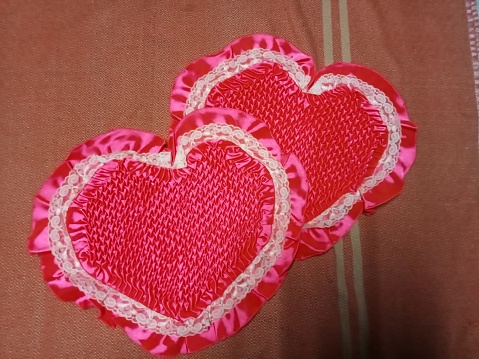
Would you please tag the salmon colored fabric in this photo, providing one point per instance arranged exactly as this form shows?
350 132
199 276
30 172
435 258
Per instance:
72 70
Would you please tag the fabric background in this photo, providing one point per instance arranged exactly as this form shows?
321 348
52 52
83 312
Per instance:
404 284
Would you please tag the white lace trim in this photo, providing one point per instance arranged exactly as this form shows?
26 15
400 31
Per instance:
228 68
388 161
123 306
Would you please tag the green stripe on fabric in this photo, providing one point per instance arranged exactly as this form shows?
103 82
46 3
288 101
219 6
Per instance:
327 32
343 300
359 290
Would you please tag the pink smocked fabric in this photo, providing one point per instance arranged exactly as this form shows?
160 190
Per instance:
339 135
172 239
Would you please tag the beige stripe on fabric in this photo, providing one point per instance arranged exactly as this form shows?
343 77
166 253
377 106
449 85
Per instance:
327 33
359 291
343 300
338 249
355 233
344 26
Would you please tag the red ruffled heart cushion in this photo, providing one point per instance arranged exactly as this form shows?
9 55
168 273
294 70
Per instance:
180 249
348 126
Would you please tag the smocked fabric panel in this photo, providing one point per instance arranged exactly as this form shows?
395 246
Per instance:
337 136
143 234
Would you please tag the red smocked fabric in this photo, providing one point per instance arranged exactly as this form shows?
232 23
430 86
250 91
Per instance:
340 135
110 223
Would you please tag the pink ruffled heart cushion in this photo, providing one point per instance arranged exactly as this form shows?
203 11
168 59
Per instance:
179 246
345 123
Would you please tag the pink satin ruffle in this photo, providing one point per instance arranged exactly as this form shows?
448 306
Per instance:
141 142
200 67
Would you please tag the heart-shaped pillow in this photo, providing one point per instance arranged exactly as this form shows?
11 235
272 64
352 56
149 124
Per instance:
180 249
345 123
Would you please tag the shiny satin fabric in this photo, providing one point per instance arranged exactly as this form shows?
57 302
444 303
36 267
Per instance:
314 240
174 239
337 135
191 73
141 142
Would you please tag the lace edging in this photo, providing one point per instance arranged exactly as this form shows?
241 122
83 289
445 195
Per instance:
228 68
388 160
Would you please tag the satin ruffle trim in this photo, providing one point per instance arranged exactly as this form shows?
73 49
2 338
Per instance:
318 240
